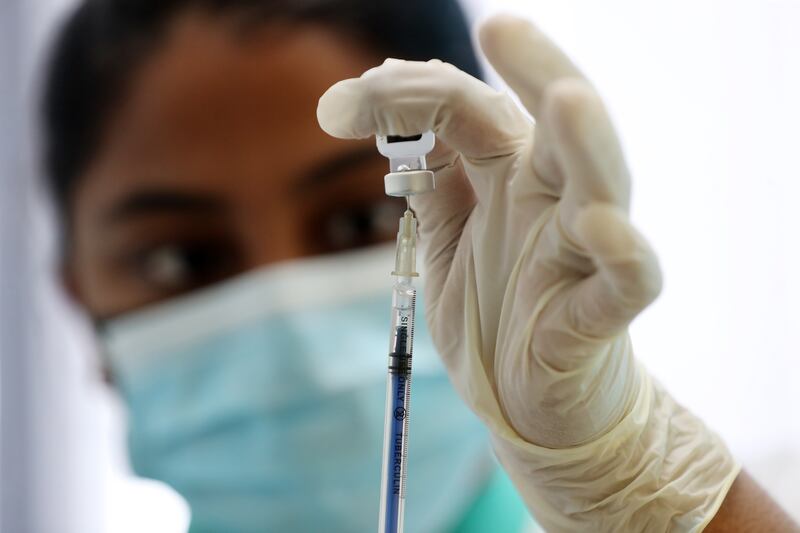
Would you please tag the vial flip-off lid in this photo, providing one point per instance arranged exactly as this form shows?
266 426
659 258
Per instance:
408 171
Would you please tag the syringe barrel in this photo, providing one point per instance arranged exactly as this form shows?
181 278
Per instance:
401 339
398 394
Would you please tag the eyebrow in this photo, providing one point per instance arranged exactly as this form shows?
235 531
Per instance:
156 201
333 167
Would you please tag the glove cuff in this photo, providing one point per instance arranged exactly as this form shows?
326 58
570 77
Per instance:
659 469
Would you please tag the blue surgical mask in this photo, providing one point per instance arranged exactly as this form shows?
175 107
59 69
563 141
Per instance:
261 402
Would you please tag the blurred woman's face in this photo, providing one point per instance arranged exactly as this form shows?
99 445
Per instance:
213 164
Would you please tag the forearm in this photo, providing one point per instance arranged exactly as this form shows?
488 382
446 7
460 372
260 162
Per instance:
747 507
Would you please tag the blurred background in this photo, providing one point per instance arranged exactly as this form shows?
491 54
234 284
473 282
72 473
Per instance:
704 95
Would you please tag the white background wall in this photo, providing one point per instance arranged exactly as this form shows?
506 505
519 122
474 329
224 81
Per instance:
48 479
704 94
62 468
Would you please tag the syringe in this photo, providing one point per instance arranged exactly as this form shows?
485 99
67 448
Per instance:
398 385
408 176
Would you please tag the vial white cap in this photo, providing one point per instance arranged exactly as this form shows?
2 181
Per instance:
409 182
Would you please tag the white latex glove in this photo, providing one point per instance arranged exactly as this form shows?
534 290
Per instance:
533 274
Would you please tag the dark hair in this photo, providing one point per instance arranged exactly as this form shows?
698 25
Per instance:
103 41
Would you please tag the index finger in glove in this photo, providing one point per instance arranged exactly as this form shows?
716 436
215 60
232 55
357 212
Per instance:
409 97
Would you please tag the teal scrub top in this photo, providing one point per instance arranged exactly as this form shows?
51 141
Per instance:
497 509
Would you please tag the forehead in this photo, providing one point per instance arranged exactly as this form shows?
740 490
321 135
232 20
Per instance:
210 106
206 78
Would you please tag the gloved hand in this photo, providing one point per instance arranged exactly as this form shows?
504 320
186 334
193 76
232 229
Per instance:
533 274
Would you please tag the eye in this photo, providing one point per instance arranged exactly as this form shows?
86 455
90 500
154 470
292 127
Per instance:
363 225
182 266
